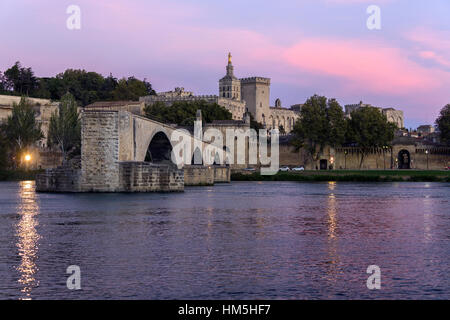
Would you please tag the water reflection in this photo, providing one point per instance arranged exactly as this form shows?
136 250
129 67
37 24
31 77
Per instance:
332 249
250 241
331 210
427 218
28 238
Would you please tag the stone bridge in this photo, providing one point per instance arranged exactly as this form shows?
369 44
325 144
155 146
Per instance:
124 152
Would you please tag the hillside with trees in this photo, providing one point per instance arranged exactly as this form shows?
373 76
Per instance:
86 87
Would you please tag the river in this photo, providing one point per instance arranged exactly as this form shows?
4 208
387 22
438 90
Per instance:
244 240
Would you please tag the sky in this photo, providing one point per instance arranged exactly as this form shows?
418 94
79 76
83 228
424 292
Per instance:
306 47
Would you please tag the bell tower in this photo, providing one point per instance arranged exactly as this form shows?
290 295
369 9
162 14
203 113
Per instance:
229 85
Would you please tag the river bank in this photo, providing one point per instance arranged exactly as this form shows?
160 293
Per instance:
348 175
306 176
18 175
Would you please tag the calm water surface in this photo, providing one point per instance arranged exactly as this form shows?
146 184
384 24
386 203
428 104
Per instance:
273 240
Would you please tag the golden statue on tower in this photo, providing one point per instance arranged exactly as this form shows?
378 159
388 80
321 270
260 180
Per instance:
229 57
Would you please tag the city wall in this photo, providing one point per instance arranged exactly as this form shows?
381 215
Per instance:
377 159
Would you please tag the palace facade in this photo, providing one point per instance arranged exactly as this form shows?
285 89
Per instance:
239 96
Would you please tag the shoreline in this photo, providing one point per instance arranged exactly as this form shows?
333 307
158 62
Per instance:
349 175
303 176
18 175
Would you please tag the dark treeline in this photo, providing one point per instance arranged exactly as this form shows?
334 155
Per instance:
184 112
86 87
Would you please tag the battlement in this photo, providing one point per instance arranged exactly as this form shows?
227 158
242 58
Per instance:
255 80
149 99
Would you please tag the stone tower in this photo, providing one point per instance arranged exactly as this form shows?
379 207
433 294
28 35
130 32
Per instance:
230 86
256 93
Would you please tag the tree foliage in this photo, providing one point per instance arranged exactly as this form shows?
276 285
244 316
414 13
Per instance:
184 112
255 124
321 123
19 79
443 124
4 150
368 128
130 89
86 87
65 127
21 128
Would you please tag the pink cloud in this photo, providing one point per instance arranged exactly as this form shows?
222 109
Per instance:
431 45
431 55
378 68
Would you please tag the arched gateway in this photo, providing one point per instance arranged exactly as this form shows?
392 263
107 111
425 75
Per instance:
404 159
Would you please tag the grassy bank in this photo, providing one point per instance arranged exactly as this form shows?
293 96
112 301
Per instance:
348 175
18 175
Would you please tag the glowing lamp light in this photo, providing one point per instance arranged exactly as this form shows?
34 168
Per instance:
27 157
332 160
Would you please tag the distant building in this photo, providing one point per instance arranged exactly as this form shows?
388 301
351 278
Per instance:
238 96
297 107
392 115
425 130
43 109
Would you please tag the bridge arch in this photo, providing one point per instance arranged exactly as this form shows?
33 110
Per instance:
159 148
197 157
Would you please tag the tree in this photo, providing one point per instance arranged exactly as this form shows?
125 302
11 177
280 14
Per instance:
22 80
368 128
4 150
130 89
65 127
321 123
184 112
3 83
21 128
443 124
86 87
255 124
149 87
108 87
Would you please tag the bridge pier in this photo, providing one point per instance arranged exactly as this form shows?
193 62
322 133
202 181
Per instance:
106 137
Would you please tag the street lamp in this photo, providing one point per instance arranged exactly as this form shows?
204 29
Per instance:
426 151
27 159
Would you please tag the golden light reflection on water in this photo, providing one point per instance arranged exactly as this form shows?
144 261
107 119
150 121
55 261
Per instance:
333 269
28 238
332 221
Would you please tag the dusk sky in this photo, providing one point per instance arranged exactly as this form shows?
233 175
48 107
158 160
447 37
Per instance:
304 46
